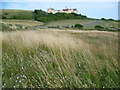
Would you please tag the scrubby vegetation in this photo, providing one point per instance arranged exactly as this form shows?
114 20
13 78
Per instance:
48 59
43 16
4 27
14 27
79 26
108 19
99 27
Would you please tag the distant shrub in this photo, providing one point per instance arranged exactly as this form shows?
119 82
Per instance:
111 19
4 27
99 27
3 17
103 19
108 19
78 26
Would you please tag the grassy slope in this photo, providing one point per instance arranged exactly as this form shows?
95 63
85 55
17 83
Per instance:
23 22
26 14
15 11
82 21
56 59
11 25
25 19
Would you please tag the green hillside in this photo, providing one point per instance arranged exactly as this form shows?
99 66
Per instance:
88 24
11 16
16 14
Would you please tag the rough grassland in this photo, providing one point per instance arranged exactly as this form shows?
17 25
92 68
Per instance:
84 22
0 60
23 22
59 59
17 14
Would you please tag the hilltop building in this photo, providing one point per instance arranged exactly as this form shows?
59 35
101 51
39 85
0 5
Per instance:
65 10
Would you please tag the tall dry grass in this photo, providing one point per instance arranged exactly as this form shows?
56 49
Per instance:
0 60
56 59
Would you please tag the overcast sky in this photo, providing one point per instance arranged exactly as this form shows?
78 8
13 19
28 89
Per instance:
90 9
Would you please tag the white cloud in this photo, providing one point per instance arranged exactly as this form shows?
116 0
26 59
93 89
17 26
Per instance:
60 0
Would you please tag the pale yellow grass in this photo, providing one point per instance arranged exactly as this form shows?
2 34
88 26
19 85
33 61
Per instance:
20 39
22 22
0 60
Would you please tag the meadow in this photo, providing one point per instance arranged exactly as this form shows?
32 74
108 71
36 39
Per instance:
14 24
54 59
16 14
22 22
87 24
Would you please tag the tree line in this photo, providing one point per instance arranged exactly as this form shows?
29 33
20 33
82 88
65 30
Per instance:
43 16
40 15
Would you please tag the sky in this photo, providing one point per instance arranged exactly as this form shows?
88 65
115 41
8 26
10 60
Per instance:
60 0
91 9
